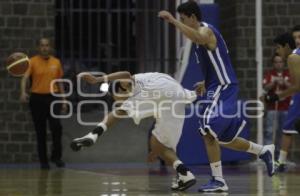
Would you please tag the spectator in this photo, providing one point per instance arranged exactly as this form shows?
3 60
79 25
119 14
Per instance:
275 81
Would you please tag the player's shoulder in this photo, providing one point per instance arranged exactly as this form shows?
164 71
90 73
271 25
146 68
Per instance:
207 28
293 58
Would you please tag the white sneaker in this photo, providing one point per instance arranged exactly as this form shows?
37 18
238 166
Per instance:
85 141
183 182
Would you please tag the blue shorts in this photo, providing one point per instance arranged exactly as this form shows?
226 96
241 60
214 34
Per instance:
221 116
292 116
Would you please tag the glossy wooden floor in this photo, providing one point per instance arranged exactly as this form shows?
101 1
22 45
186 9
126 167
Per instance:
136 179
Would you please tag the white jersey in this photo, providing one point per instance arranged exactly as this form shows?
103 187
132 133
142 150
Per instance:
160 96
150 90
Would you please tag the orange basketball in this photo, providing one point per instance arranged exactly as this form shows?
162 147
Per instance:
17 64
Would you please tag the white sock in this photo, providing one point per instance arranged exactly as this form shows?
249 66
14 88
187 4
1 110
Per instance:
216 169
255 148
176 163
282 156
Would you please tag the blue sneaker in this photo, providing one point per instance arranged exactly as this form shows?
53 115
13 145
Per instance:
267 156
216 184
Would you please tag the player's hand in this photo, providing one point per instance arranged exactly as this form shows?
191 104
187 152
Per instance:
88 77
271 98
167 16
24 97
200 88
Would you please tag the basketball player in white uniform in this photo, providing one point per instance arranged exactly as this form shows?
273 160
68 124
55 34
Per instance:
144 95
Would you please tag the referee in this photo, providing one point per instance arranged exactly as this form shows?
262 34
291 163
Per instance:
43 69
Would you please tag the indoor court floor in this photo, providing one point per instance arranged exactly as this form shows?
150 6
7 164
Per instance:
137 179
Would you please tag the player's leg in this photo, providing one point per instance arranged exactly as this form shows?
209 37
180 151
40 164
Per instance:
217 183
92 137
165 138
290 128
266 153
185 178
286 142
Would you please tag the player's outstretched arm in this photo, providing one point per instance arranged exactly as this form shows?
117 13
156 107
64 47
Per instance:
294 69
204 36
88 77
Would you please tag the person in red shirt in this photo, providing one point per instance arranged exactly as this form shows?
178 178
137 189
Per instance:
276 81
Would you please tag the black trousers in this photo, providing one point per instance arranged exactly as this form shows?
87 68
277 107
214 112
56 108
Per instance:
40 110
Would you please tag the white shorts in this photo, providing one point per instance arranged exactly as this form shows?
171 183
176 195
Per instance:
168 127
152 95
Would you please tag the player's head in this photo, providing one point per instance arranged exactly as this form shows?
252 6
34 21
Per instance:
120 90
190 13
284 44
44 47
278 62
296 35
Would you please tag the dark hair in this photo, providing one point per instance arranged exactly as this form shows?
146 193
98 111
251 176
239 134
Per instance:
189 8
285 38
296 28
114 87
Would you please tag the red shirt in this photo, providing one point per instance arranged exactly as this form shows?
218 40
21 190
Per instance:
272 76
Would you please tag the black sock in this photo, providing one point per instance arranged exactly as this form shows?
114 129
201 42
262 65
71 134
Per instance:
182 169
98 130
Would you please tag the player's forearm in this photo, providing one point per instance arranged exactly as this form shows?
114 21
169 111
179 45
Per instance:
114 76
111 119
190 33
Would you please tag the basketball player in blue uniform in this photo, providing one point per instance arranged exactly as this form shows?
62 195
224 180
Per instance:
285 48
218 124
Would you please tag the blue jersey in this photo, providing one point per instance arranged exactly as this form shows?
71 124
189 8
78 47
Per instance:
296 51
216 65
